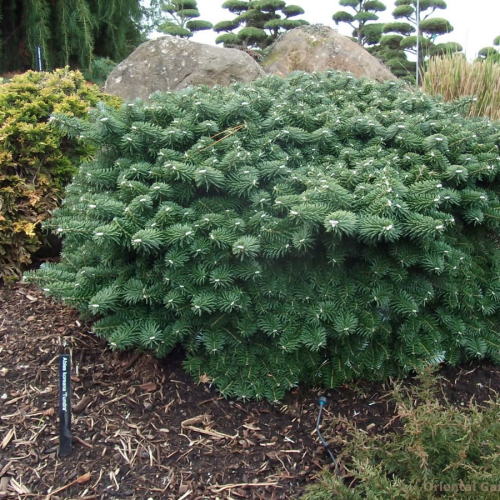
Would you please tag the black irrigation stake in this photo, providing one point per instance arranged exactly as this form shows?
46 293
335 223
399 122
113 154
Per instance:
64 405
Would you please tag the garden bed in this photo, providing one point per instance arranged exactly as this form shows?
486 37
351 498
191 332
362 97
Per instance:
143 429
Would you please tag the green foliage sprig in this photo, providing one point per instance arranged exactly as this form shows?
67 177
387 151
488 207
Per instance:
36 161
306 230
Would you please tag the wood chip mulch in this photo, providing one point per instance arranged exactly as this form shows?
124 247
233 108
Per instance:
144 429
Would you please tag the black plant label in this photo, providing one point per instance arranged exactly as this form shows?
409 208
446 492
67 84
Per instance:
64 405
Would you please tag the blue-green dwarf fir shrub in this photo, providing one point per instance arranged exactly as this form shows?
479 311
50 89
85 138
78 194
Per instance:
306 230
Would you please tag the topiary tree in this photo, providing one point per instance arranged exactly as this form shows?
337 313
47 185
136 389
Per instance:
430 28
490 53
365 12
306 230
261 22
182 18
371 35
36 162
390 52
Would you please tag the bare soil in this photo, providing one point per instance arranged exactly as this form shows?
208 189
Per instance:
143 429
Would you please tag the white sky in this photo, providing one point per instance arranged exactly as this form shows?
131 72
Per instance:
476 22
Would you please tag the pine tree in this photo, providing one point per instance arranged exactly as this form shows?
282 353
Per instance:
67 32
306 230
260 22
182 18
365 30
400 37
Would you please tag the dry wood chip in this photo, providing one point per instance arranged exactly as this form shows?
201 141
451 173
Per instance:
19 487
4 485
199 419
208 432
246 443
82 441
84 478
220 488
5 469
8 438
149 387
115 399
8 417
126 365
251 427
82 404
12 401
132 426
188 492
204 419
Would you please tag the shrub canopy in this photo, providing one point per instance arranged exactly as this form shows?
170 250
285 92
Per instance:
36 161
306 230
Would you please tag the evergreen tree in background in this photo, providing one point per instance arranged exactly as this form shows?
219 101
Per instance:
68 32
261 21
182 18
365 30
401 39
302 230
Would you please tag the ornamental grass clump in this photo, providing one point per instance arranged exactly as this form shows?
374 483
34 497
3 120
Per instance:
453 77
306 230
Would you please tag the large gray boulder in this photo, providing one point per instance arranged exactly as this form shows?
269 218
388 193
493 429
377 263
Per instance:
319 48
170 63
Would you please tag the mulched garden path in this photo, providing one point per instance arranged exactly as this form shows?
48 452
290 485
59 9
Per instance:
143 429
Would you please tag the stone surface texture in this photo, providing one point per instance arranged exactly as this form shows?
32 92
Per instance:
319 48
171 63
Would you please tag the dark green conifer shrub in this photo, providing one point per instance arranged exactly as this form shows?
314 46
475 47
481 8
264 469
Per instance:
36 161
305 230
